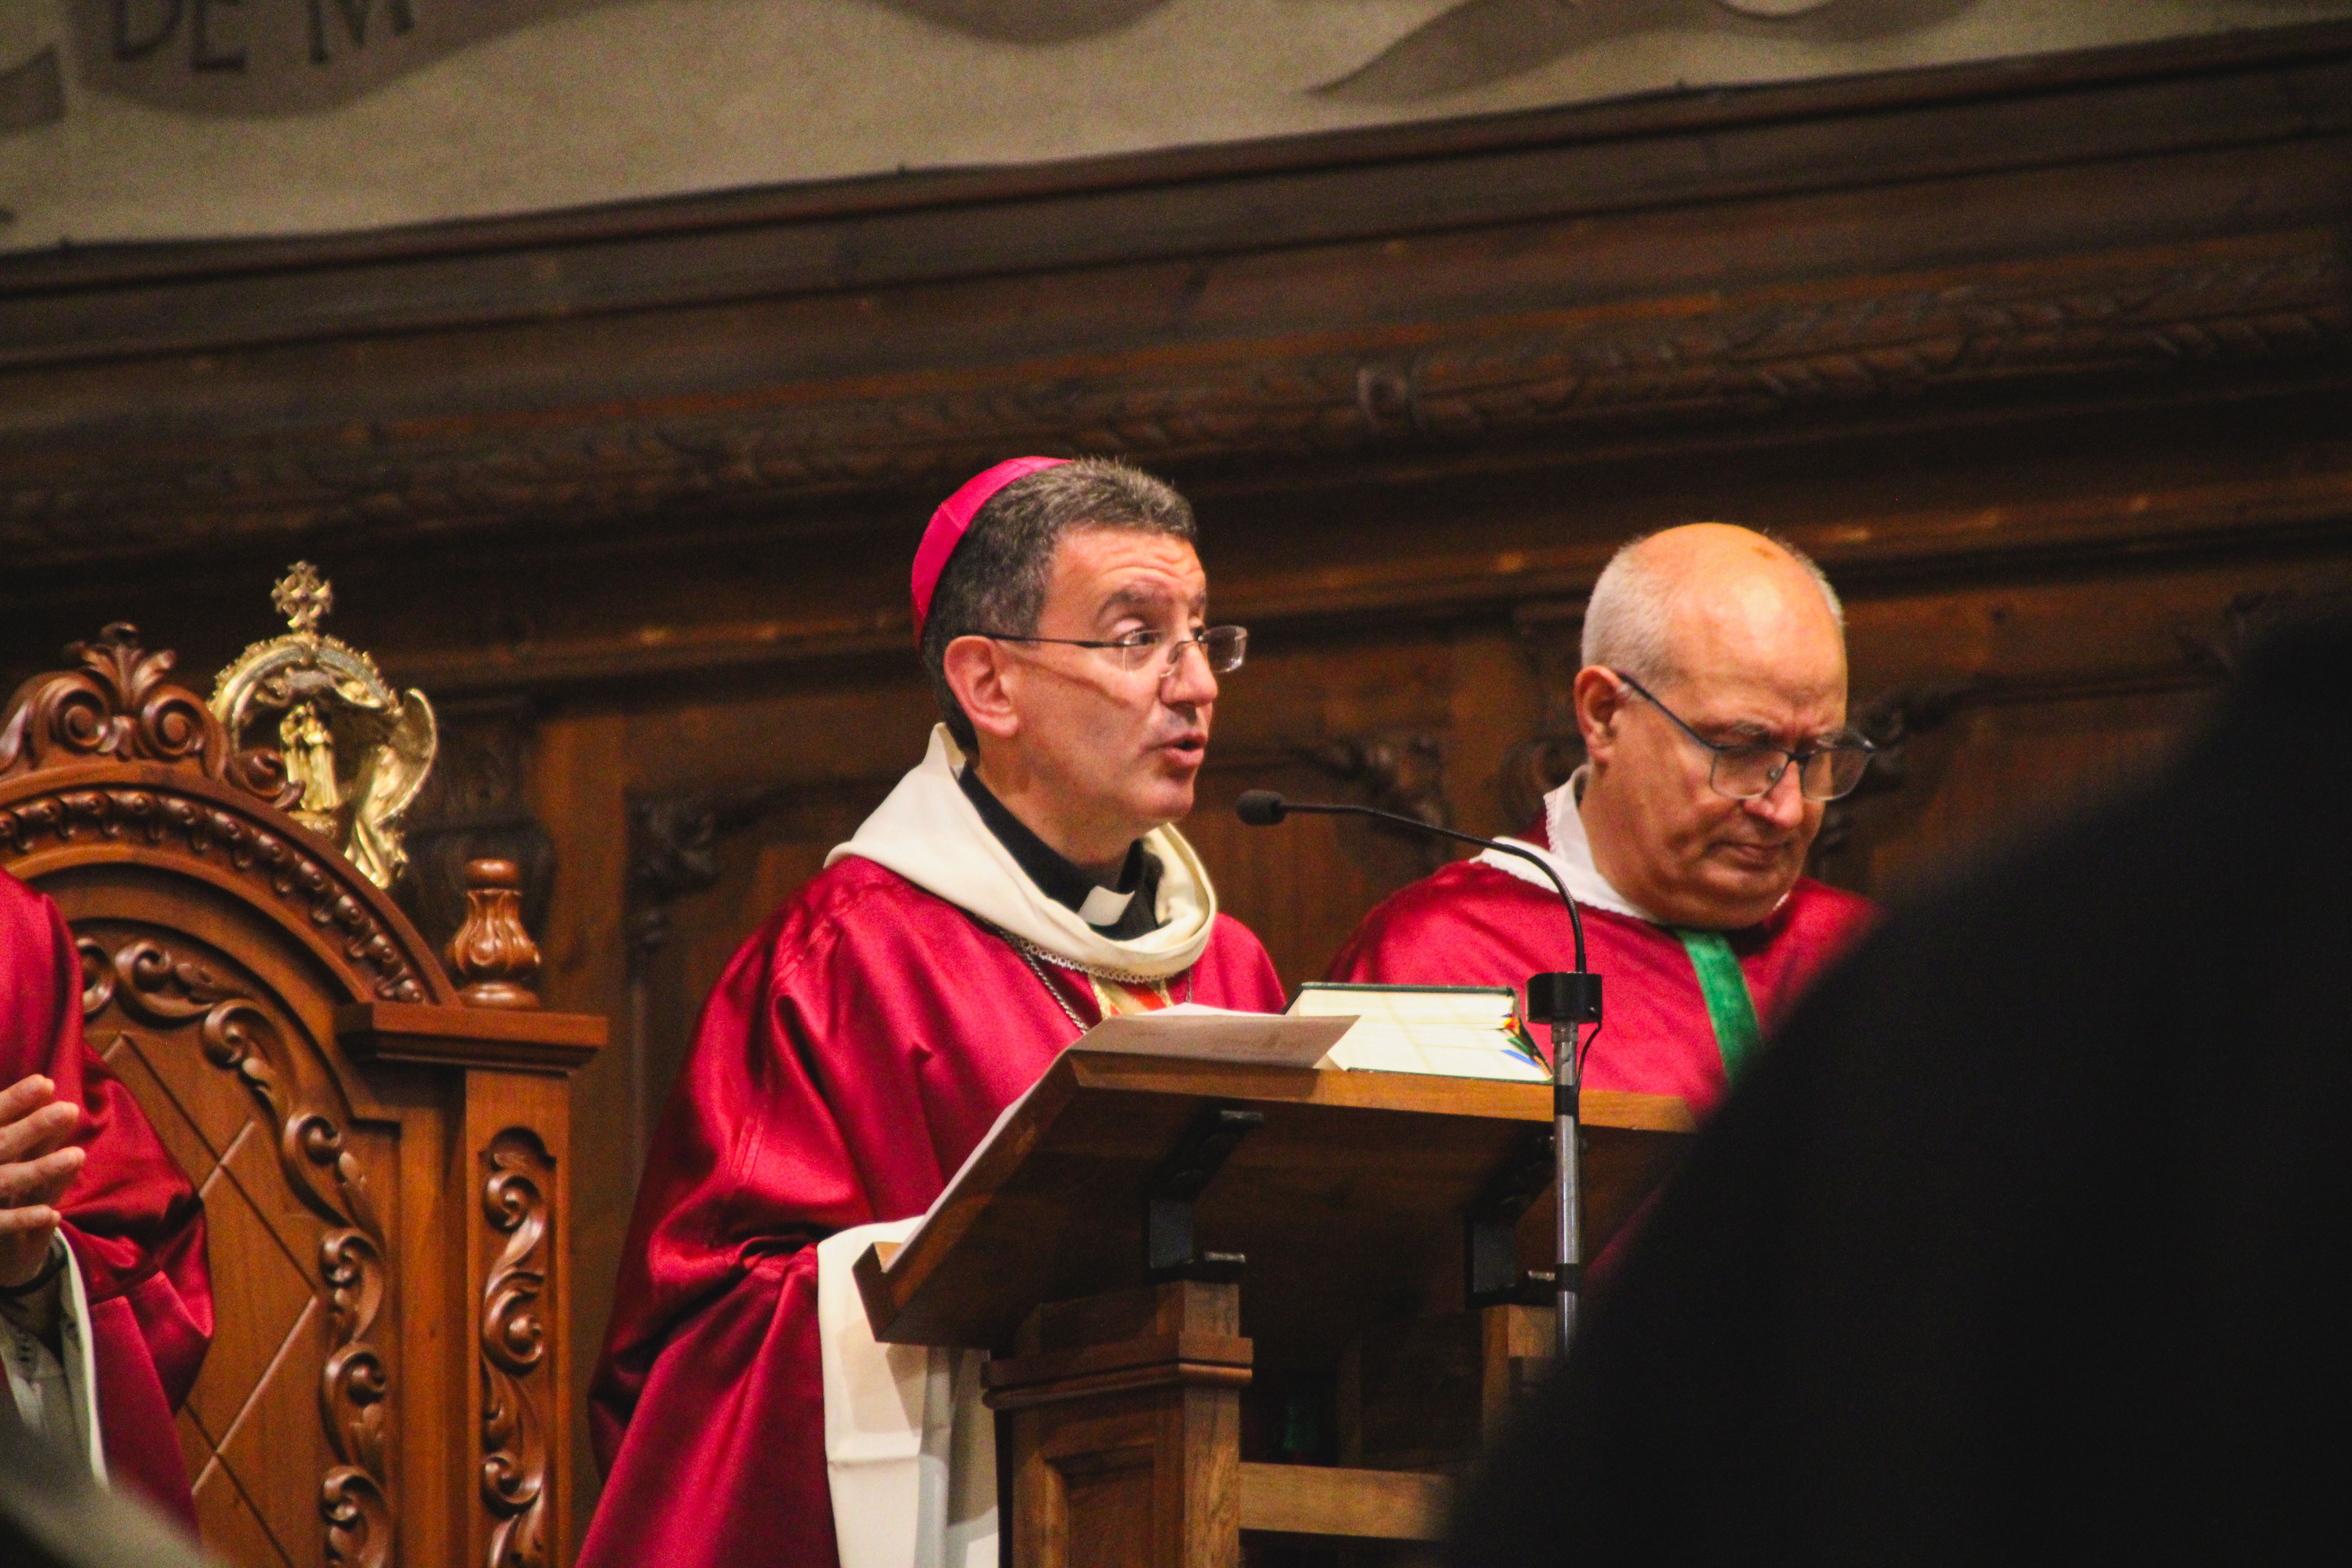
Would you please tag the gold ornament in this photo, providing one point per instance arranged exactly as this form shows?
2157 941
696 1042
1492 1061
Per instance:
359 749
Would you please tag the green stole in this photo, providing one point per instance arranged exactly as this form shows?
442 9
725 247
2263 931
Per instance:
1729 1008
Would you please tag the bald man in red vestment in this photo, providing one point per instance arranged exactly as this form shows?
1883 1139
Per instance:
1713 706
1019 885
105 1305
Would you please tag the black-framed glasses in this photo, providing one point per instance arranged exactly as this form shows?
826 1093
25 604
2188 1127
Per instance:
1224 647
1745 770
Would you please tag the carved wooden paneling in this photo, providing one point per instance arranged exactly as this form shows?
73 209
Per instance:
240 1091
515 1438
235 969
472 805
1760 353
707 867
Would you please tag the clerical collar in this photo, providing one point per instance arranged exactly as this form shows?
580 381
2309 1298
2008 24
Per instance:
1120 914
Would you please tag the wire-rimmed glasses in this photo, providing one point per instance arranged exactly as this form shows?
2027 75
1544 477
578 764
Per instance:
1224 647
1751 770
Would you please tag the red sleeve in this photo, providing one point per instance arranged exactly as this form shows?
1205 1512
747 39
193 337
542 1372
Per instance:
799 1112
723 1462
134 1222
710 1386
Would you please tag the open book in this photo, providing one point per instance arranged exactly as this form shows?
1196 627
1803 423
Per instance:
1452 1031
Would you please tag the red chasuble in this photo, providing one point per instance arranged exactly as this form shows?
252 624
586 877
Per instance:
135 1226
1475 924
852 1055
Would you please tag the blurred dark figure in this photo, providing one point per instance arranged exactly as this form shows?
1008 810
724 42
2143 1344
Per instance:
2028 1240
54 1514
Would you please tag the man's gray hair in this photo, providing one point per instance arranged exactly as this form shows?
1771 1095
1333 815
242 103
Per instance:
1626 621
997 578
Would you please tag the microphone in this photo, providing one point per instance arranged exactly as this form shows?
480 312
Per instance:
1564 1001
1265 807
1260 808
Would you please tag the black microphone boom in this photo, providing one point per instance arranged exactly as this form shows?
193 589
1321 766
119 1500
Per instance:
1260 808
1562 1001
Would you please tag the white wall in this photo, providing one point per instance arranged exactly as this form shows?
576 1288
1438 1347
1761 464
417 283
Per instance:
484 106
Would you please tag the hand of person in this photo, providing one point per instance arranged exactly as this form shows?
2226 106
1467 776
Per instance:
36 1169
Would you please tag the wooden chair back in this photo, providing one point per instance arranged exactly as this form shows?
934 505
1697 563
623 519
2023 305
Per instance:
382 1165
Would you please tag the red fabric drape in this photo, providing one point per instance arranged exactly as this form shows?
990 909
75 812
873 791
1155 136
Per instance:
134 1222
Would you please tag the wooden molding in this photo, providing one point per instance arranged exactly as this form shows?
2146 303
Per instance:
84 816
1317 1500
443 1036
1891 548
1596 371
2161 220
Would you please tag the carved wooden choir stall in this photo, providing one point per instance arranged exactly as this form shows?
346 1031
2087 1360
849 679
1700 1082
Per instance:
382 1151
1145 1238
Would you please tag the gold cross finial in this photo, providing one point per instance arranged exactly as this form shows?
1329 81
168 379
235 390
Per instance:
302 596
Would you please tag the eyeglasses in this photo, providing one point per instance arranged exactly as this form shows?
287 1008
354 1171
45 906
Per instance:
1222 647
1747 771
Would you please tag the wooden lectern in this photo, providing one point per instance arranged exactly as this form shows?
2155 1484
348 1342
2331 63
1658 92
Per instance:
1188 1272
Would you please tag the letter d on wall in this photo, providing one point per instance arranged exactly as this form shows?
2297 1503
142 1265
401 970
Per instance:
142 26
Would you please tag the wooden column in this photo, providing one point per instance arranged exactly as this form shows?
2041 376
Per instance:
1125 1429
505 1219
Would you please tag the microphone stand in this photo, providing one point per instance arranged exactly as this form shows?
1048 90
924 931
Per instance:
1565 1001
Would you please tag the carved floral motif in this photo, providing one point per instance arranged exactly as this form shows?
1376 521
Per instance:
514 1345
673 851
1402 773
206 832
239 1037
120 705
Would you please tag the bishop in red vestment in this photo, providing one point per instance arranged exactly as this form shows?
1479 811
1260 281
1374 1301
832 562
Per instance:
1712 703
105 1305
1016 887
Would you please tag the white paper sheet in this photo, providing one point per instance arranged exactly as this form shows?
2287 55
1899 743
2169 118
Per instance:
1219 1035
1190 1031
1447 1031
